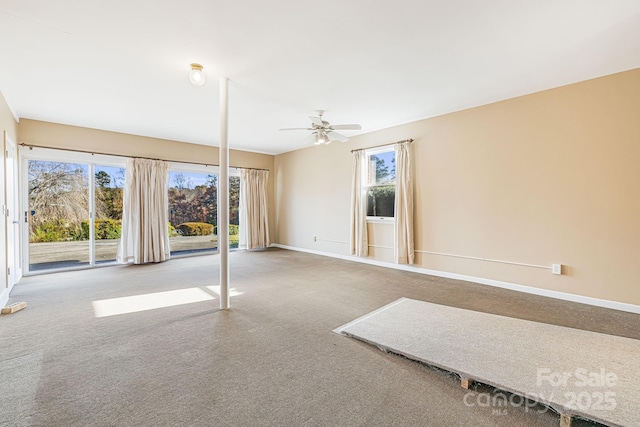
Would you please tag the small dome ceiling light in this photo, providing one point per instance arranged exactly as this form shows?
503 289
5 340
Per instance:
196 75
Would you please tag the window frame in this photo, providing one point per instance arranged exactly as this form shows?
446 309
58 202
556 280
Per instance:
372 152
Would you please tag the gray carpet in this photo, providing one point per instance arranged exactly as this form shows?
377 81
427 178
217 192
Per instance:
531 359
272 360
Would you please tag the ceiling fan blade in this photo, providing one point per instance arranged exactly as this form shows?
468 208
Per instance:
347 127
295 129
335 136
316 121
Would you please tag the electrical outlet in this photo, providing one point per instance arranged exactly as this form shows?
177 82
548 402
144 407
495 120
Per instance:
556 268
315 238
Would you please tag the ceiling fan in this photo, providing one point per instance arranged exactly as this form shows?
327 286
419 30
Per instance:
323 132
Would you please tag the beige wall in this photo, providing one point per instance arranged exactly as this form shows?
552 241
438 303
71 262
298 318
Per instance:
552 177
72 137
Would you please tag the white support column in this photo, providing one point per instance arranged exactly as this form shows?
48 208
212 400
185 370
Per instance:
223 196
92 214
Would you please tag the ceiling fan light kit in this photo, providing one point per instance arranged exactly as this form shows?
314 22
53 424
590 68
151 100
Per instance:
323 132
321 138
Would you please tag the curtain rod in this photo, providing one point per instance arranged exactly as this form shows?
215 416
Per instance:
32 146
383 145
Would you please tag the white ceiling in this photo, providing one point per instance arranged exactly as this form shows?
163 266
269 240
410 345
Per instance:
122 65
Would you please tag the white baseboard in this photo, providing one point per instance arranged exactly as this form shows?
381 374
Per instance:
614 305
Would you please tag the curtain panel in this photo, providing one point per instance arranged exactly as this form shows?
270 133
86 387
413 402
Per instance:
403 245
145 231
359 238
254 216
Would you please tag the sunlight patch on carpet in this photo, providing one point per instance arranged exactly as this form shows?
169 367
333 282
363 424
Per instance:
155 300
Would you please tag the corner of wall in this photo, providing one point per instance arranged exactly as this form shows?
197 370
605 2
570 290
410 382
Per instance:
4 297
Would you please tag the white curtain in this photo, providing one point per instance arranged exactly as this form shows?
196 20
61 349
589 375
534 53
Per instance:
254 218
403 247
359 236
145 234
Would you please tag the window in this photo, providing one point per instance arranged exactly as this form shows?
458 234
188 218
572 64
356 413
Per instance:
193 210
381 183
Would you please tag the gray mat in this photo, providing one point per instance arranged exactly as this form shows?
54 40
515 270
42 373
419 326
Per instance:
576 372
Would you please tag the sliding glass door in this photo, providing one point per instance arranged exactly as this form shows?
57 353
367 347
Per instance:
57 209
193 212
72 209
109 191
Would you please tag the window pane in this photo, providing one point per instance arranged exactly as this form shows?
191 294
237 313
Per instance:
382 168
109 185
380 200
58 206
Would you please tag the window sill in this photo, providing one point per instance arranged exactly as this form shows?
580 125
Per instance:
380 219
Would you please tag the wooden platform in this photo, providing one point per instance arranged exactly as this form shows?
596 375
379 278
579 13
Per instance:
16 306
578 373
